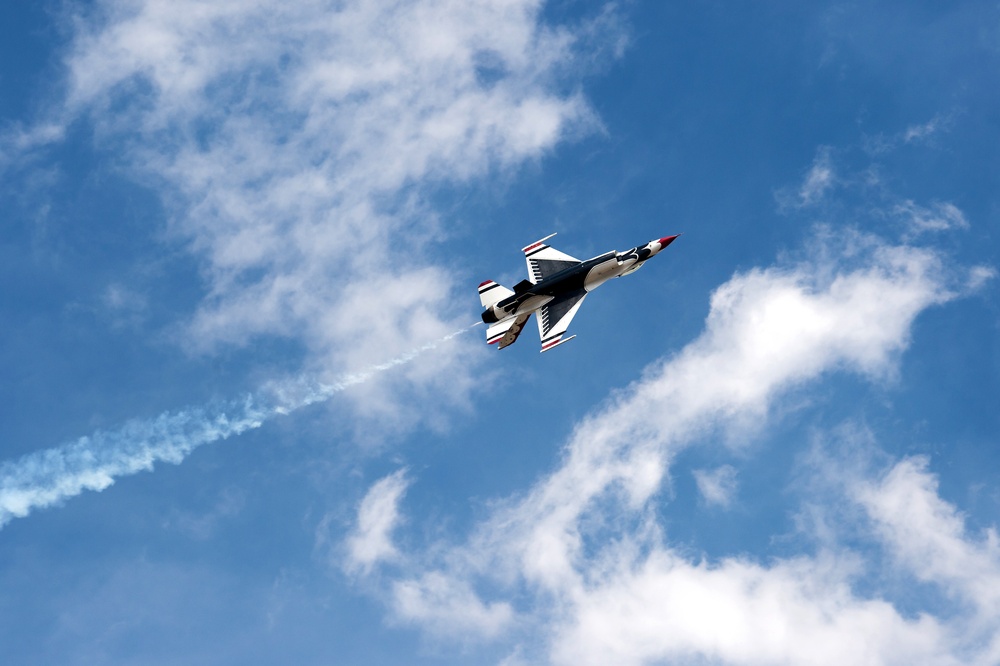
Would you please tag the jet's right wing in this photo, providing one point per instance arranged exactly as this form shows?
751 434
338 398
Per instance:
554 318
544 261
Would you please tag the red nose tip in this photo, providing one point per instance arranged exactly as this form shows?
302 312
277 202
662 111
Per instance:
667 241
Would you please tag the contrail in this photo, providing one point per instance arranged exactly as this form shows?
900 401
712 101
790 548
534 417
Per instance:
48 477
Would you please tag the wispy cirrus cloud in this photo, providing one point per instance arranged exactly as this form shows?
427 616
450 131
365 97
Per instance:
940 216
378 515
914 134
819 179
817 182
921 131
717 486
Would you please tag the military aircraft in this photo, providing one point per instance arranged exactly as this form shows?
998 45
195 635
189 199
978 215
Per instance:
556 286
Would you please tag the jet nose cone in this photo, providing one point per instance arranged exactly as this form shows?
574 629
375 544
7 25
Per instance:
667 241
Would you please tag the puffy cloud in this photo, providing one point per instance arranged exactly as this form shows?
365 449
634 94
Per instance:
927 535
288 135
447 606
738 612
663 605
768 331
582 553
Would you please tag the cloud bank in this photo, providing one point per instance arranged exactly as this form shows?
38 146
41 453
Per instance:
297 144
298 149
577 570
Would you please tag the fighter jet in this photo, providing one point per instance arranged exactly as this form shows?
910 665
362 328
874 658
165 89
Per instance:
556 286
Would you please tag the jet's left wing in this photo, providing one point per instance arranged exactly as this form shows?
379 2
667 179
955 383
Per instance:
544 261
554 318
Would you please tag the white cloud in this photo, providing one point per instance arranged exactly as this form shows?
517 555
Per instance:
979 276
738 612
767 331
295 145
923 130
582 553
663 606
447 606
378 515
816 184
717 486
818 180
914 134
941 216
927 535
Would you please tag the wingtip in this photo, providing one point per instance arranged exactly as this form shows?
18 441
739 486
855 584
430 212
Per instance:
536 244
553 345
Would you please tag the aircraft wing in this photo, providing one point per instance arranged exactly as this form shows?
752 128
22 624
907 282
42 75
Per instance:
554 318
506 332
544 261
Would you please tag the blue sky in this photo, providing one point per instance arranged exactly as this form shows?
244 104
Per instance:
246 419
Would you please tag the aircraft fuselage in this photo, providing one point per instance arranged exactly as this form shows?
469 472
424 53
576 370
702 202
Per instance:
555 289
581 277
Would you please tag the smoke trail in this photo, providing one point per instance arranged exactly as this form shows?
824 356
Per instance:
44 478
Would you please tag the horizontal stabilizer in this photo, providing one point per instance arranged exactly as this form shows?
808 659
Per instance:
505 332
491 293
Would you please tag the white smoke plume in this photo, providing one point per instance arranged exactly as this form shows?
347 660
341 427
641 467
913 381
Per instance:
44 478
